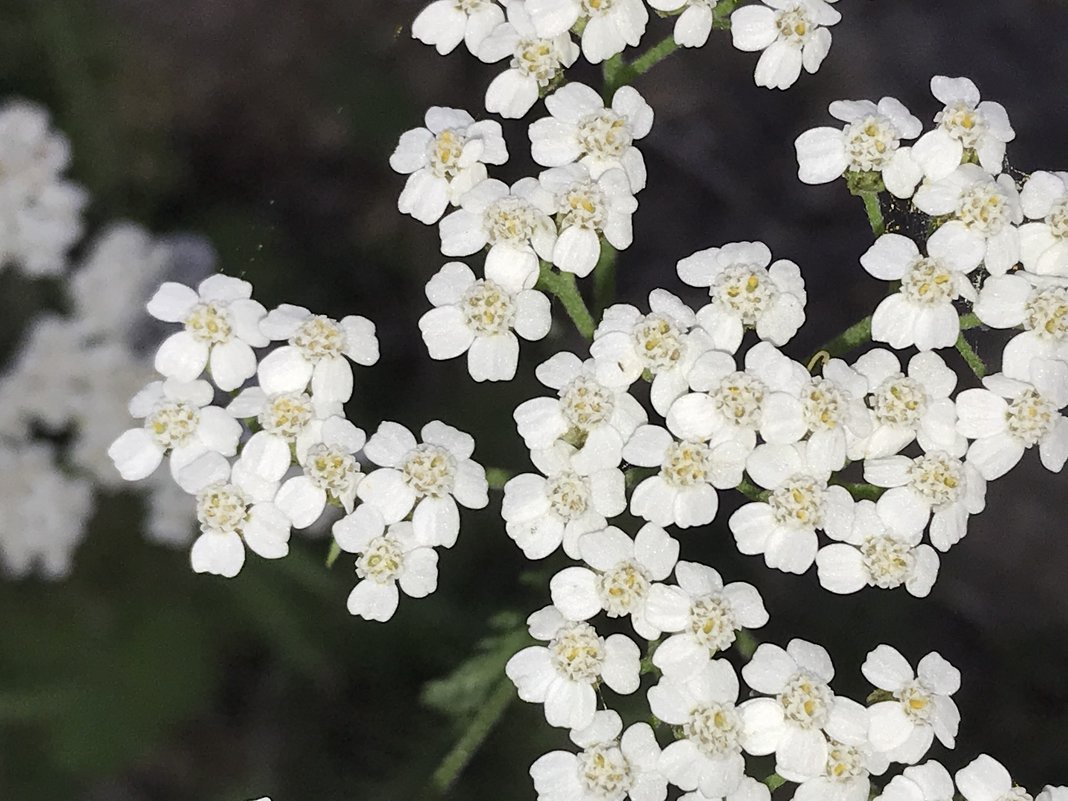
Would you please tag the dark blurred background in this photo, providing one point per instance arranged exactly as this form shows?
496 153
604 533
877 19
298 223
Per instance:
265 126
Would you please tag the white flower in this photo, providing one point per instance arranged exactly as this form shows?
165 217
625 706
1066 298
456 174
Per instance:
609 767
431 477
985 779
221 327
927 782
921 312
444 160
985 214
478 316
664 342
40 213
935 484
586 208
746 293
610 26
1010 416
869 142
541 513
445 23
45 512
1050 793
535 62
331 472
178 420
694 23
733 403
791 33
622 574
581 129
235 508
396 555
563 673
964 124
703 615
1044 245
907 407
516 223
1037 303
792 724
703 703
784 527
683 492
904 728
845 777
749 790
880 550
286 418
597 419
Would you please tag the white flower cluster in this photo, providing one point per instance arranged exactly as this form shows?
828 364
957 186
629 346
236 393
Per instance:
281 451
40 211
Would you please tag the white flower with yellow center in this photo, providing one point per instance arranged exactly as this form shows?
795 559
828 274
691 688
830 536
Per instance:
1044 244
444 160
562 674
694 22
609 767
315 353
683 492
921 709
221 327
936 485
664 342
793 723
586 209
515 223
535 61
984 213
610 26
596 419
869 142
845 777
964 125
702 703
540 512
178 421
986 779
791 34
1038 304
581 129
921 312
431 477
331 472
746 293
880 550
621 576
235 508
446 23
927 782
1010 416
783 528
908 405
703 615
478 316
395 556
286 419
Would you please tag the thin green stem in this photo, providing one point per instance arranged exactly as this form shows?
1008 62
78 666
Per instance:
752 491
604 279
564 288
746 643
857 334
774 782
333 554
874 211
474 735
653 56
974 362
497 477
862 491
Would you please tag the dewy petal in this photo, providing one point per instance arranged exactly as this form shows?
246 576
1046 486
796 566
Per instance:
984 779
821 155
301 501
221 554
436 521
373 601
284 370
182 357
172 302
267 531
753 28
493 358
232 363
136 454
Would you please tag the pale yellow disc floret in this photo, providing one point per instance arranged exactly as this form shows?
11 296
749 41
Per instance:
172 424
806 701
429 470
577 652
209 322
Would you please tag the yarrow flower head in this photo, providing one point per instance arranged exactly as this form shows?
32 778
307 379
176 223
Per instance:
330 472
444 160
610 26
221 327
1038 304
694 22
1044 244
791 34
395 556
986 779
446 23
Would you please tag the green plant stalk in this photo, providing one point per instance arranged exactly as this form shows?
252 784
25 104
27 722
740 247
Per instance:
973 360
474 735
874 211
497 477
563 287
604 279
333 553
774 782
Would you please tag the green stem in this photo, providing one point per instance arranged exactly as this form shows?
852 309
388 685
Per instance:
752 491
856 334
874 210
474 735
497 477
774 782
653 56
564 288
861 491
977 365
746 643
604 279
333 554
